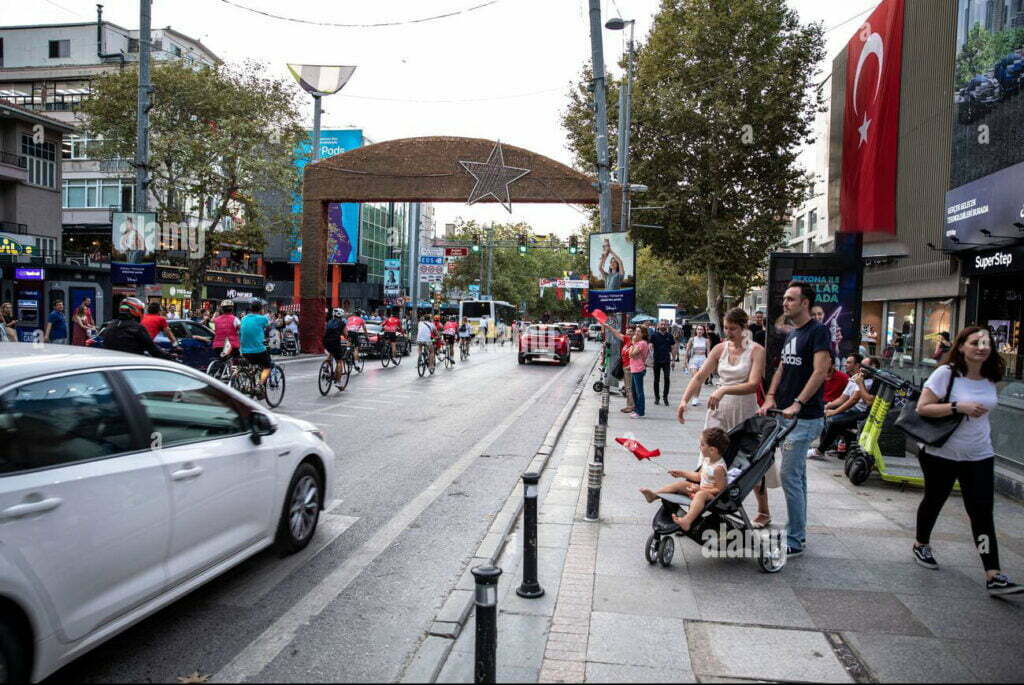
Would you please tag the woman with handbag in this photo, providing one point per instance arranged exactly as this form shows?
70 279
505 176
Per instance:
964 387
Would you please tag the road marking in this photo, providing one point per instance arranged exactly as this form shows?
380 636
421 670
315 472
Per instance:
340 416
251 660
366 399
247 589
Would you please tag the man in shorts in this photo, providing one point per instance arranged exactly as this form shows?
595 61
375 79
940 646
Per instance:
335 342
425 335
251 334
356 327
391 328
451 329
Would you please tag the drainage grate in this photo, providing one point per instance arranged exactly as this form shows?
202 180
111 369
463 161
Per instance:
849 659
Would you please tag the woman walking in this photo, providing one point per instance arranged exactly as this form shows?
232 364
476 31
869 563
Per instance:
697 349
82 324
739 362
969 374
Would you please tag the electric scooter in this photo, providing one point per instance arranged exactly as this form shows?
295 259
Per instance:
866 453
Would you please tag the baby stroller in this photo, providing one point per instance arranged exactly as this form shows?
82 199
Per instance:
289 343
752 447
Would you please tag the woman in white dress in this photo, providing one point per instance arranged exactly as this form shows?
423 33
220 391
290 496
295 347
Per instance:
739 362
697 349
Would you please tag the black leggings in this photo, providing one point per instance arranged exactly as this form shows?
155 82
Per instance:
660 367
977 481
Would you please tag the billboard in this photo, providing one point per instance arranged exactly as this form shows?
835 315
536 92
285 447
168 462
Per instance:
333 142
987 158
392 276
342 233
134 232
612 272
432 264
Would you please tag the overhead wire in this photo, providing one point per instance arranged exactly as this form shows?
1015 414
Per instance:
370 25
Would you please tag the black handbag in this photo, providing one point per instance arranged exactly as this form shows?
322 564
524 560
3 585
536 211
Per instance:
924 429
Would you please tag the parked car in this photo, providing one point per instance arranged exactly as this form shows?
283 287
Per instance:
576 339
125 483
195 342
544 341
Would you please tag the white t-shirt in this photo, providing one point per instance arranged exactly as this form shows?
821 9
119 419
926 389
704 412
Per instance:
852 388
424 332
972 440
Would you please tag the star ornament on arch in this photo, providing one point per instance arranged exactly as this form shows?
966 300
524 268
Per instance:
493 178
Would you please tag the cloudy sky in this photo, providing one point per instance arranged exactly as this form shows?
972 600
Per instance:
499 72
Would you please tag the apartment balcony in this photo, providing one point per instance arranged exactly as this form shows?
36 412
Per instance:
13 167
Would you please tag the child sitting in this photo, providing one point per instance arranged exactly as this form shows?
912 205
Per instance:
701 487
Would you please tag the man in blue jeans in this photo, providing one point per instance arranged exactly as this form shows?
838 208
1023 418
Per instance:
797 389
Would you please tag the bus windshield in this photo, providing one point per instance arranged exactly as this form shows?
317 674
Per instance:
474 310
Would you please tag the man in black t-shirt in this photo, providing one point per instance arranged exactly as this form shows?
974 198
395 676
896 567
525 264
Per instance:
757 332
796 389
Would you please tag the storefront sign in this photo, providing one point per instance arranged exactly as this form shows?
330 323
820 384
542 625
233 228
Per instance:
1001 261
139 274
29 274
10 246
228 278
456 252
994 203
170 274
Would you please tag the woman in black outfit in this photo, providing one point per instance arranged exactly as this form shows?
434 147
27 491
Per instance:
974 368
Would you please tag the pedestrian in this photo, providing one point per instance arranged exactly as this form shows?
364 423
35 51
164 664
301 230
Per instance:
8 322
687 331
837 381
757 330
662 343
968 375
713 340
627 376
638 353
796 389
697 349
56 325
82 324
740 363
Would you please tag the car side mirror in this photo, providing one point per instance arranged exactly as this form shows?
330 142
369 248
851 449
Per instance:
260 425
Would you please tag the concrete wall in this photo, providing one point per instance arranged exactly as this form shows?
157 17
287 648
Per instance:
30 46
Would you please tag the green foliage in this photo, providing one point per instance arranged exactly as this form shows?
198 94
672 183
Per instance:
723 99
661 281
983 49
220 138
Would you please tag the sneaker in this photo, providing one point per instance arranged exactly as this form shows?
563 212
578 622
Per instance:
696 402
794 552
656 401
815 455
1000 584
634 415
923 556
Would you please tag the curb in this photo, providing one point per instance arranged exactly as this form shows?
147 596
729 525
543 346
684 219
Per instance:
430 656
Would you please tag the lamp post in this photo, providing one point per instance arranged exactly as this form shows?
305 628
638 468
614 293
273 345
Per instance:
625 117
601 118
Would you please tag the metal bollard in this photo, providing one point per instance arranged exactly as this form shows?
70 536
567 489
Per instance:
600 439
594 492
530 588
486 624
602 416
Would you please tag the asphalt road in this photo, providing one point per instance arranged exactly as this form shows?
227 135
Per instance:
423 466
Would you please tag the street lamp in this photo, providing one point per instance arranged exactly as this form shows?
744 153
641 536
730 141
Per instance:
625 115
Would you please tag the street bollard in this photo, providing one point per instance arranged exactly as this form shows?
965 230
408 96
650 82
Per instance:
530 588
600 438
594 492
486 624
602 416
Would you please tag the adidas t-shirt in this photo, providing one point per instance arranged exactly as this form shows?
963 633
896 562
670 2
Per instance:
798 365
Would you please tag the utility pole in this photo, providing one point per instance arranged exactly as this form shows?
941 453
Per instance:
490 259
316 126
601 120
142 109
625 120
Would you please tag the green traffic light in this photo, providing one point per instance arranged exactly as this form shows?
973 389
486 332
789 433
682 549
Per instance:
476 248
522 249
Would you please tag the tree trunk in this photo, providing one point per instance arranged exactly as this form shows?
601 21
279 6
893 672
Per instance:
714 298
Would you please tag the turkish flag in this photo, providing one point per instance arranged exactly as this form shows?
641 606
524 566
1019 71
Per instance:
867 200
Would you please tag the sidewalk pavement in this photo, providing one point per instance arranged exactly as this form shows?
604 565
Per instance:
854 608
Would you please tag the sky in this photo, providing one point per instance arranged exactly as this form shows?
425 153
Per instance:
500 72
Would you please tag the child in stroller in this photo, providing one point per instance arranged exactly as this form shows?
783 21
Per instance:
701 487
289 343
748 455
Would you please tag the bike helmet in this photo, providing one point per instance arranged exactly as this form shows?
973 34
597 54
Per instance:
338 313
228 304
256 304
133 306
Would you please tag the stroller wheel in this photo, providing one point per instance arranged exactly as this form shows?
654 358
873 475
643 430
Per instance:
651 549
666 550
771 557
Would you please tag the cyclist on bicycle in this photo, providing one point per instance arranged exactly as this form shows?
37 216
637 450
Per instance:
465 332
356 326
225 328
335 343
425 334
451 330
391 327
251 335
126 334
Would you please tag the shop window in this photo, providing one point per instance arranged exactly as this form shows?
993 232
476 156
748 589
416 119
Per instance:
939 317
898 351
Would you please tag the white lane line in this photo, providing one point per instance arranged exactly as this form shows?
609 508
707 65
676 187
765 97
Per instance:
249 588
339 416
366 399
257 654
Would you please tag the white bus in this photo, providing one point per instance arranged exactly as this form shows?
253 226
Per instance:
495 311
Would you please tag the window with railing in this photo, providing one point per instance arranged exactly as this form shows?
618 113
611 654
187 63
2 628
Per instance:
41 162
77 147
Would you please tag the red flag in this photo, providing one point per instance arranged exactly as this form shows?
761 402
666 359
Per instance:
638 450
599 315
867 200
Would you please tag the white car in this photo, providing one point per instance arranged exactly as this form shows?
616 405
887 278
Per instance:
594 331
125 483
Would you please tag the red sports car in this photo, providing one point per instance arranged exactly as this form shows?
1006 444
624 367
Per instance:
544 341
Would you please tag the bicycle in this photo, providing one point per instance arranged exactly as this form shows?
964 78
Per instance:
326 377
245 379
222 368
444 356
463 349
423 362
387 355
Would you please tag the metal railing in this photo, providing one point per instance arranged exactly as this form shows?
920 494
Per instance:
13 159
12 227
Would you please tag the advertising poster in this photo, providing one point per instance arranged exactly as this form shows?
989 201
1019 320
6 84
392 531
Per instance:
342 233
333 142
392 276
612 272
132 274
837 282
134 233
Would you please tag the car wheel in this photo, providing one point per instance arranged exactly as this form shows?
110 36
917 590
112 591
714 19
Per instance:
14 662
522 359
301 510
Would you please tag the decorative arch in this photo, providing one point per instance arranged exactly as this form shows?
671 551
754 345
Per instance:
415 170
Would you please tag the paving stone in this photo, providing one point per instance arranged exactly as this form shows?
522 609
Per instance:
556 513
960 617
428 660
571 654
904 577
624 595
746 652
618 673
767 606
637 640
830 574
859 611
553 534
904 659
988 664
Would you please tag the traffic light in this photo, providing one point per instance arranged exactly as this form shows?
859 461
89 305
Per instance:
574 244
475 247
522 244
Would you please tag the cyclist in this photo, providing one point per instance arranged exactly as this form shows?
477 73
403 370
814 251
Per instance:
251 335
451 330
425 335
225 328
335 342
356 326
465 334
391 327
126 334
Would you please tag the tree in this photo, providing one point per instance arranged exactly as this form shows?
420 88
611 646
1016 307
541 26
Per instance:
723 99
218 137
662 281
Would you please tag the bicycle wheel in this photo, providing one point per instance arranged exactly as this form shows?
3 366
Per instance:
346 373
326 378
421 364
275 386
215 369
449 361
385 356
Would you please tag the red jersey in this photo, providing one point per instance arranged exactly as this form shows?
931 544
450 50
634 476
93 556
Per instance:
392 325
451 328
154 323
355 324
834 386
